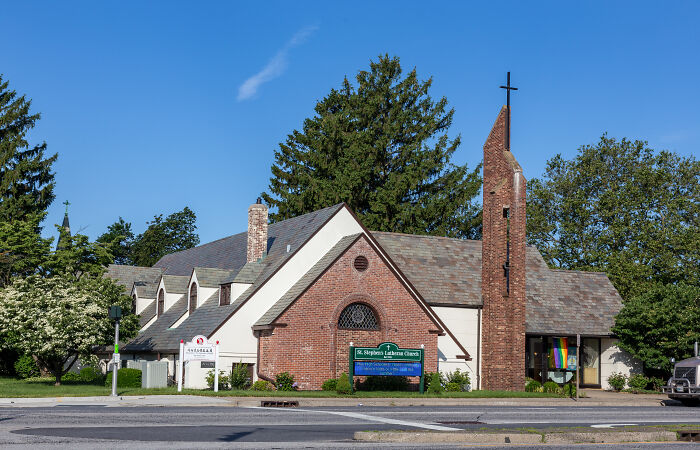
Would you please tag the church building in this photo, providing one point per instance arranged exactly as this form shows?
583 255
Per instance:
291 296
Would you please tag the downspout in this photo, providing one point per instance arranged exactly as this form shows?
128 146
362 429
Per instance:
478 348
260 374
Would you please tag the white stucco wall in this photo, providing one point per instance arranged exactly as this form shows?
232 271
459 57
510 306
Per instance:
464 324
236 336
614 359
142 303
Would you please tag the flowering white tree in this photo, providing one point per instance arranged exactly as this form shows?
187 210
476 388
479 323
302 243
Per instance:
59 319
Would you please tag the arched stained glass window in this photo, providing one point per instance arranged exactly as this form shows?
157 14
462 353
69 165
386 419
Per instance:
193 297
358 316
161 302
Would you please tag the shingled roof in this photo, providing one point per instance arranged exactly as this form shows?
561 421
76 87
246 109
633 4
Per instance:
209 315
147 314
212 278
229 253
176 284
447 272
156 336
145 278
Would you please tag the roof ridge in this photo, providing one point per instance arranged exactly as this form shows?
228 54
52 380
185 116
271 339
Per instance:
596 272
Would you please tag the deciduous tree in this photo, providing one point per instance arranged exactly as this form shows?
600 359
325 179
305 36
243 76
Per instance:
163 236
621 208
59 319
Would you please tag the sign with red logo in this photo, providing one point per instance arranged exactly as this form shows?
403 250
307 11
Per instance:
199 350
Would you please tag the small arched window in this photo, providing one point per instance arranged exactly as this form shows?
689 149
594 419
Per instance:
161 302
358 316
193 297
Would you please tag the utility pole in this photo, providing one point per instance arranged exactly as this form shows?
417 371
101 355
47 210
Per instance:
115 312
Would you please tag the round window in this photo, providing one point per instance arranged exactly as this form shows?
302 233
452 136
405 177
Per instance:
361 263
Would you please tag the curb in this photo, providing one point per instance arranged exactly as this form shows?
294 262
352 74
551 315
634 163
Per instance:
195 400
514 438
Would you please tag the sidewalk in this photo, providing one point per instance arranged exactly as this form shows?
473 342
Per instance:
594 398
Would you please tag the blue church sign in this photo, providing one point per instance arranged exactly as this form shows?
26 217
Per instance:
387 359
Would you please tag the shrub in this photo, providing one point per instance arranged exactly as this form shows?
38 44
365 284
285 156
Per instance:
383 383
223 380
285 382
435 386
343 385
26 367
126 378
551 387
71 376
90 375
453 387
656 383
428 379
460 378
261 385
329 384
638 382
239 378
570 390
533 386
617 381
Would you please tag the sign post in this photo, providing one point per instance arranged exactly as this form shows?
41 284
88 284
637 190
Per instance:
180 366
115 312
216 367
387 359
578 361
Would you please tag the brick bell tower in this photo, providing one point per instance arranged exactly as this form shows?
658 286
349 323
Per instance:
503 261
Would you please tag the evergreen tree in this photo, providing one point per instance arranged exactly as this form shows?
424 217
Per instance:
26 180
382 147
163 236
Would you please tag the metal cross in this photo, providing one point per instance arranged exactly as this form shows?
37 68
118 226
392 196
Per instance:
508 88
66 203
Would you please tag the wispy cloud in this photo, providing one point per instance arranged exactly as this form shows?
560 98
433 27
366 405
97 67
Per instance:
275 67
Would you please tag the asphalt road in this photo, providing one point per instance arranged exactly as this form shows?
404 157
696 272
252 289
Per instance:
84 426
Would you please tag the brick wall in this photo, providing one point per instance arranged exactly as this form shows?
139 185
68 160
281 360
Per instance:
313 349
503 335
257 232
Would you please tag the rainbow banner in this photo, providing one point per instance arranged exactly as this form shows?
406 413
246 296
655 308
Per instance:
558 354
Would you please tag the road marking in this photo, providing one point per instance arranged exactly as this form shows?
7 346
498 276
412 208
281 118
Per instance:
611 425
368 418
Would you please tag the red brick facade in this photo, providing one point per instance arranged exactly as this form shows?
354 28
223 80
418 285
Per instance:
307 341
503 344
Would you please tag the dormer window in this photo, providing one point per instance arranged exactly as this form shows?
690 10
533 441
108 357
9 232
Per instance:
193 297
161 302
225 294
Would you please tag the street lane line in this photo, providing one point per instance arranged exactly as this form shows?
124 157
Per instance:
367 418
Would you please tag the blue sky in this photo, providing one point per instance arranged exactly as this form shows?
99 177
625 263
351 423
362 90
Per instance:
152 106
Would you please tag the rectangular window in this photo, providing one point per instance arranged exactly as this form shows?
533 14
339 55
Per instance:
225 294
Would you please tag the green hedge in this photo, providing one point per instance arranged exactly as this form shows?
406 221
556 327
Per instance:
126 378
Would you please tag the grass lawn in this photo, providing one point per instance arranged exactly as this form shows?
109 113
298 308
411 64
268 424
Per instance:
11 387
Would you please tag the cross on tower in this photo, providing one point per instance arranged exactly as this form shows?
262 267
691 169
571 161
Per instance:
66 203
508 88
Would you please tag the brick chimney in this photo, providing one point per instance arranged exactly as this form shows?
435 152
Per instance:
503 265
257 231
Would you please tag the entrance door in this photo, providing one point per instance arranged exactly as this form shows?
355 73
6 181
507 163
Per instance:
590 361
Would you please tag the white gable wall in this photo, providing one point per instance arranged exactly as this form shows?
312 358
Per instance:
236 337
463 323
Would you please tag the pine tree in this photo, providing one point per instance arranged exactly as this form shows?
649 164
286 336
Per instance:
382 147
26 180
